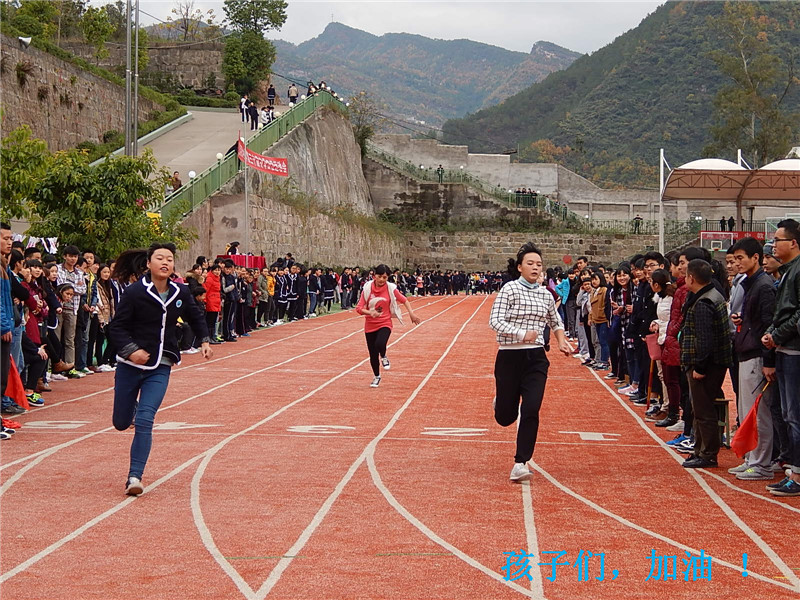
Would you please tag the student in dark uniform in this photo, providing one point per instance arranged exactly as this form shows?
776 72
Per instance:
144 332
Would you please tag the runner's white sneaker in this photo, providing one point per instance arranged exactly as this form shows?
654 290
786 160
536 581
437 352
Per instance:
375 382
134 487
385 363
520 472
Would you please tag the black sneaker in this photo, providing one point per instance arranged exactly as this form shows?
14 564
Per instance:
639 400
667 422
653 410
698 462
13 409
779 485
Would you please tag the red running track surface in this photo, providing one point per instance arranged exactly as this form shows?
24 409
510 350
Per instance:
277 472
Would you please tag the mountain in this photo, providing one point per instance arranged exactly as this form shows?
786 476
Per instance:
609 113
414 77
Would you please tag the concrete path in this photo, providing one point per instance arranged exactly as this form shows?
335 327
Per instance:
193 146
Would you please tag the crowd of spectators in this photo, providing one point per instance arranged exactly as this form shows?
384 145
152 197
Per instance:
667 330
56 309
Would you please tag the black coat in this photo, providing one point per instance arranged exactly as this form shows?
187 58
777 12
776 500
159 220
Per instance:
143 321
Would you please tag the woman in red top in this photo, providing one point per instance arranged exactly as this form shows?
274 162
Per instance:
379 303
213 302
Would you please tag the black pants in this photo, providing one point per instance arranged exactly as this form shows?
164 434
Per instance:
263 311
706 429
35 367
376 344
211 322
227 320
520 373
282 306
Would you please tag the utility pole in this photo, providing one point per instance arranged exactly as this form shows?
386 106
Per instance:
136 87
128 147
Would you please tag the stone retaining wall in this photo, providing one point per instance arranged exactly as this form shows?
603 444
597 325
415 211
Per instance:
63 104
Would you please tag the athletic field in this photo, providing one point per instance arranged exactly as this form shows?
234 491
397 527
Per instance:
276 472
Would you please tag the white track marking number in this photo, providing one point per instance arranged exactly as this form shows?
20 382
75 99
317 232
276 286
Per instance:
56 424
316 429
173 425
593 436
455 431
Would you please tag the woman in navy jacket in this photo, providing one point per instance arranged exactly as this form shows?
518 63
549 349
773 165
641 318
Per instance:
144 332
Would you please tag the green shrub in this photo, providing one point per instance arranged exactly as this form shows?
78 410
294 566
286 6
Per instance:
232 95
110 135
28 25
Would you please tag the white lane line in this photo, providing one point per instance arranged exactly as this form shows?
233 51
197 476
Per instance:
537 586
644 530
787 571
202 364
202 528
89 524
34 559
17 475
749 493
369 452
50 451
532 540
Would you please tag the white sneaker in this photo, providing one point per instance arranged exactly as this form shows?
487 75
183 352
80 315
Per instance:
520 472
105 368
57 377
134 487
190 351
313 314
679 426
385 363
375 382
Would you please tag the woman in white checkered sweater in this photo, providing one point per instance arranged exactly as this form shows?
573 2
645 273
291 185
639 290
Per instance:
520 314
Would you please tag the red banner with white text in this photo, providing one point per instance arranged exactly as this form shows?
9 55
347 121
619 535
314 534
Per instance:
275 166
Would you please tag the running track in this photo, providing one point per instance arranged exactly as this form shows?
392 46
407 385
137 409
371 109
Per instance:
276 472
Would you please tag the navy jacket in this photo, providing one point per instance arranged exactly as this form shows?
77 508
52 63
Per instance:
143 321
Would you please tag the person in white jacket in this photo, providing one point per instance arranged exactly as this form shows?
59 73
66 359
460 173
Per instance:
661 284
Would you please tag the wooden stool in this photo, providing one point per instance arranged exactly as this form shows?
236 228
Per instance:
723 420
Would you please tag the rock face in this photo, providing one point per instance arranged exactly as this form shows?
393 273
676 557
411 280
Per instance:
454 204
324 162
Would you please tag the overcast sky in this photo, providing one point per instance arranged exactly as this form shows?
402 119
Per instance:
581 26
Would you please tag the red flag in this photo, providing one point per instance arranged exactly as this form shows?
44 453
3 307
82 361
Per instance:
274 166
746 437
15 390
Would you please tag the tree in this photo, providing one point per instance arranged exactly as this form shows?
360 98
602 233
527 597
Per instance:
751 112
102 207
25 161
246 60
258 16
365 118
97 28
70 13
188 19
41 11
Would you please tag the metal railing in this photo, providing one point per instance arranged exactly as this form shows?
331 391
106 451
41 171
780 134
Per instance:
208 182
539 202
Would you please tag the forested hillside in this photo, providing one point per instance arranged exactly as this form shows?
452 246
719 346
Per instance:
416 77
607 115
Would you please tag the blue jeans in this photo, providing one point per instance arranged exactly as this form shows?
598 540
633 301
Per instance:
16 348
787 367
312 302
138 393
602 337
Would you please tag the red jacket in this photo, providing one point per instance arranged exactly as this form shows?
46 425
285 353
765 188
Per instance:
671 353
212 286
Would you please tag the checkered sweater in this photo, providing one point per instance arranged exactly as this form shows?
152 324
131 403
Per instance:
519 309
